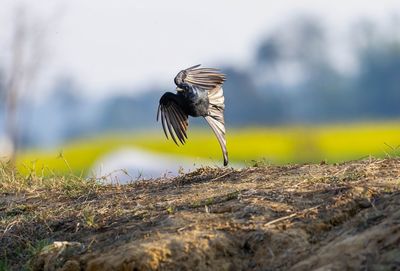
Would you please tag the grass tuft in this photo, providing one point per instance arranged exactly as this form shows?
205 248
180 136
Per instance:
11 181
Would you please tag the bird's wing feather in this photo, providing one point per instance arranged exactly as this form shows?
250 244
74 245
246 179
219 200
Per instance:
206 78
173 120
219 131
216 99
215 117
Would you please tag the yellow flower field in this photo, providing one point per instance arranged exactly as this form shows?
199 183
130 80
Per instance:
278 145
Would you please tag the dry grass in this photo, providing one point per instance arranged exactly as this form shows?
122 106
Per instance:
266 217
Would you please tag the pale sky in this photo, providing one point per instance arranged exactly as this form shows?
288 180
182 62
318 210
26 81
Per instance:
131 44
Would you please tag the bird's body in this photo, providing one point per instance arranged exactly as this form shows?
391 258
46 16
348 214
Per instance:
199 94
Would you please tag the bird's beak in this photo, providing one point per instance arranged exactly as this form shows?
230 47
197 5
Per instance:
179 89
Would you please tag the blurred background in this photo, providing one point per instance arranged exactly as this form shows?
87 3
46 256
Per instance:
307 81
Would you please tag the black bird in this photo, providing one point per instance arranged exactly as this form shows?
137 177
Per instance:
199 94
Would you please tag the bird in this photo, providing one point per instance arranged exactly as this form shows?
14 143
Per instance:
199 93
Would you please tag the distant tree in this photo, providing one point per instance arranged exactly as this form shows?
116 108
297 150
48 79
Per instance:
125 113
269 53
246 105
378 83
65 93
26 55
325 96
294 73
301 41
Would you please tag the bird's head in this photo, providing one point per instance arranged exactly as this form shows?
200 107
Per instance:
182 88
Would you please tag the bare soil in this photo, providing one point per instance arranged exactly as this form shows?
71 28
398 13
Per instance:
296 217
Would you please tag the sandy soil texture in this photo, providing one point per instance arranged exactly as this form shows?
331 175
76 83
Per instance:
295 217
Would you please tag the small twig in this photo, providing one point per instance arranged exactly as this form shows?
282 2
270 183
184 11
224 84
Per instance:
91 242
9 227
340 171
219 177
291 215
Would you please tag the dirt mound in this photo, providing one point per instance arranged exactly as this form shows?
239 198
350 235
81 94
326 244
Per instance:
299 217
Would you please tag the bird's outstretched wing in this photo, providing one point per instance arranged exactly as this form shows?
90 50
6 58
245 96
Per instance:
205 78
215 118
173 119
209 80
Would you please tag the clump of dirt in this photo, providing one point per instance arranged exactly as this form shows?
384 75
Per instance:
298 217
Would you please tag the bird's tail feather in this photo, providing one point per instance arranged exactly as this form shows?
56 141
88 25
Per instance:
219 130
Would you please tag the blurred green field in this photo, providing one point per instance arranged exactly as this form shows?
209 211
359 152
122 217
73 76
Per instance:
283 144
